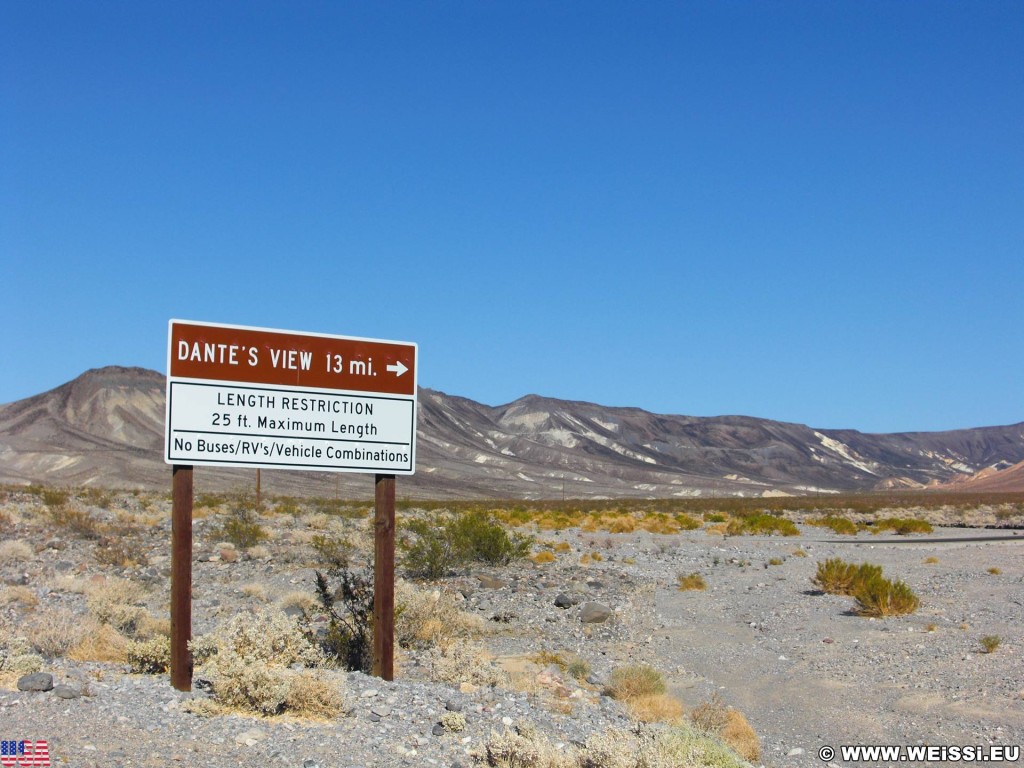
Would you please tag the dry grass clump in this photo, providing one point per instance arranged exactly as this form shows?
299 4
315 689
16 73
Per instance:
543 557
462 661
761 525
728 724
840 525
691 582
315 697
425 618
902 526
117 602
15 551
25 596
931 560
55 630
678 746
995 571
656 708
642 689
77 522
634 681
99 642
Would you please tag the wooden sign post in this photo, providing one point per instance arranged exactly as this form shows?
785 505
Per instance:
257 397
384 577
181 578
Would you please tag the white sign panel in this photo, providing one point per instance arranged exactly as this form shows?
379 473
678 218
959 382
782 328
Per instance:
250 397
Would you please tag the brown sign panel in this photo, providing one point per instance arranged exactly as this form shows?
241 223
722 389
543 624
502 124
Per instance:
263 356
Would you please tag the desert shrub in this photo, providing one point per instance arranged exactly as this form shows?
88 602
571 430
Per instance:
117 602
437 549
543 557
97 497
149 657
901 526
17 655
776 561
119 550
19 594
931 560
838 577
990 642
483 540
635 680
995 571
453 722
715 517
578 669
348 638
687 523
761 525
332 553
840 525
301 601
876 596
691 582
99 642
77 522
431 554
54 497
312 696
656 708
644 747
424 619
241 527
15 551
55 630
248 660
251 686
463 661
729 725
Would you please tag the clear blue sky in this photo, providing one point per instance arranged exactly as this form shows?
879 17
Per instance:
805 211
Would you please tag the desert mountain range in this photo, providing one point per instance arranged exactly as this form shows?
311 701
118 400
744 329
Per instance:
105 428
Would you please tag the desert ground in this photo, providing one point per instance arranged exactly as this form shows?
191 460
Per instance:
538 644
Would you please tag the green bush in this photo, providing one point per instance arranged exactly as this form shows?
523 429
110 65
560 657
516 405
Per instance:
839 525
348 638
763 525
687 523
435 550
876 596
991 642
838 577
902 526
333 553
241 527
482 540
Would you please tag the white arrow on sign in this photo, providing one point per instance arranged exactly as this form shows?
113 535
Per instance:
398 369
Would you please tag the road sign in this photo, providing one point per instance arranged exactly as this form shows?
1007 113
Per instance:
258 397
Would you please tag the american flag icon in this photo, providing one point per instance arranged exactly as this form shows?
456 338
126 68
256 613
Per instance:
24 753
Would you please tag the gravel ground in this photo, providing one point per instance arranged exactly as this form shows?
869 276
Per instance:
804 670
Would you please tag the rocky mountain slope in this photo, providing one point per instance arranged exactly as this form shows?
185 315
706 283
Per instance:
106 428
